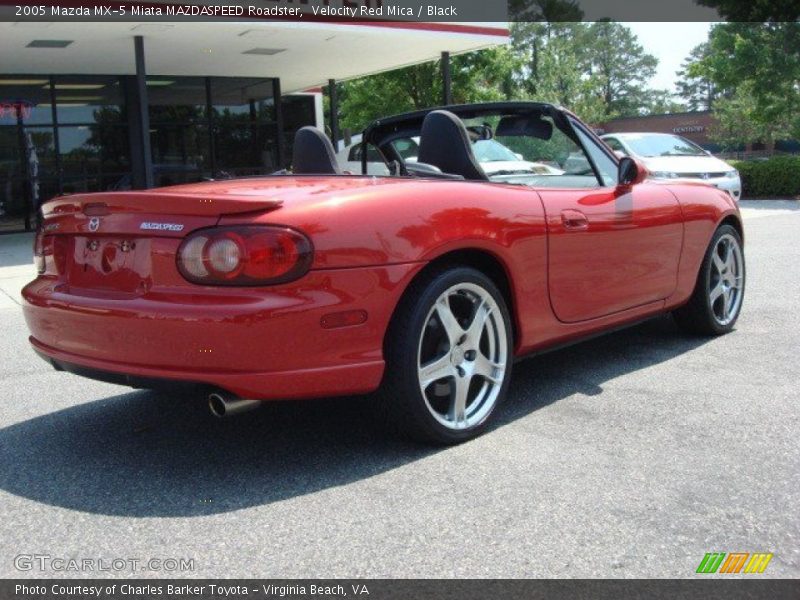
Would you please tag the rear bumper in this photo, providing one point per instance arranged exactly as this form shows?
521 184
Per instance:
263 343
306 383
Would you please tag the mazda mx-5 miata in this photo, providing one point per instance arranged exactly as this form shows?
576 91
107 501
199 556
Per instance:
424 285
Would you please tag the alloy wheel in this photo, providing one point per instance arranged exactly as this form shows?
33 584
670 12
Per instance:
462 356
726 280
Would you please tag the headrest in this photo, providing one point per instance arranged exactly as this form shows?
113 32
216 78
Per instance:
444 143
313 153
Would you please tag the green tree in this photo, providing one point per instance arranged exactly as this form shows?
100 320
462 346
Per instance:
694 85
755 10
621 67
740 121
599 71
547 11
536 24
760 64
661 102
477 76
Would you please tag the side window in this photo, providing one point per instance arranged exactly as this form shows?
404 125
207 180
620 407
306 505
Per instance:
372 154
376 165
605 165
532 150
406 148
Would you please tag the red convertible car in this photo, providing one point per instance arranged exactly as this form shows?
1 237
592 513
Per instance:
426 284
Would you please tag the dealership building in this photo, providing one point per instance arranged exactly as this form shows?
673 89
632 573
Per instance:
88 107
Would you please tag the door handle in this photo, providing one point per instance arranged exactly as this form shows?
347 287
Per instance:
574 220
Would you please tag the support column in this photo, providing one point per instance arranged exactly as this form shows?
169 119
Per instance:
210 120
447 83
279 127
334 107
139 121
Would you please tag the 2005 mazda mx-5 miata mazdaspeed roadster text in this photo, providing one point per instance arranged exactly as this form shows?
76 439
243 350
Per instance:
425 284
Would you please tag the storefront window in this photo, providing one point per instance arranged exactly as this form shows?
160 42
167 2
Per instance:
200 128
174 100
25 99
243 121
85 99
25 151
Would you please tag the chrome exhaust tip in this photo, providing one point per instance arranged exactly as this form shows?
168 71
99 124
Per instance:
222 404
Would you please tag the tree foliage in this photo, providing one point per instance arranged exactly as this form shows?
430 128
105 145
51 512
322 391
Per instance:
621 67
554 66
477 76
755 11
694 85
598 70
757 66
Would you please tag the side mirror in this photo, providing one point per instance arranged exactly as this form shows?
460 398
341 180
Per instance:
630 171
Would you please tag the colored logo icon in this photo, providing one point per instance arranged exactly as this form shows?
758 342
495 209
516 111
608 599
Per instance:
734 562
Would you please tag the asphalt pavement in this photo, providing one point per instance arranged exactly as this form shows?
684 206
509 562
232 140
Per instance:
631 455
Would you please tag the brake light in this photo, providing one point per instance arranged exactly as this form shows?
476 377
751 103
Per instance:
244 255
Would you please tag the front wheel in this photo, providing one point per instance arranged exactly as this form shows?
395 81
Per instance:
717 298
448 356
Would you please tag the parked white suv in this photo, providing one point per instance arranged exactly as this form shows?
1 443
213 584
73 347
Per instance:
669 156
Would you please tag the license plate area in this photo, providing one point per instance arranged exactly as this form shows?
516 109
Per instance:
114 264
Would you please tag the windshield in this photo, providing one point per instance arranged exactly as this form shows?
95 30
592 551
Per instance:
491 151
662 145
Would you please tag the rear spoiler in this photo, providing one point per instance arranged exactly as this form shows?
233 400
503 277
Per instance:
163 203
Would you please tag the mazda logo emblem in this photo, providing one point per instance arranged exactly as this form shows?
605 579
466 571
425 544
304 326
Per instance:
94 223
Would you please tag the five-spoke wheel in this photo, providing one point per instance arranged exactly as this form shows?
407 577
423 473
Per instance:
448 355
716 301
462 356
727 279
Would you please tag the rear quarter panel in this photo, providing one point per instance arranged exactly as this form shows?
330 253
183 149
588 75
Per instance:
421 220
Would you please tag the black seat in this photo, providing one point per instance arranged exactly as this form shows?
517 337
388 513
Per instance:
313 153
444 143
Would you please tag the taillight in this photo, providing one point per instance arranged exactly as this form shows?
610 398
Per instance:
244 255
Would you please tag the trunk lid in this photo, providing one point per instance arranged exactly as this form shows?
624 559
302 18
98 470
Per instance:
152 213
121 244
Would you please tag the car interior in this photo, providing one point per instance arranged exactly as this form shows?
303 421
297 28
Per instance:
533 147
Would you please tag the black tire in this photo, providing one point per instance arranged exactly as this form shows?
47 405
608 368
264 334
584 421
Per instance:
403 405
700 315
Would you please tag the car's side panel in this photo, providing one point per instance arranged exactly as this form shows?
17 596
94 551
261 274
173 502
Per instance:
611 250
421 220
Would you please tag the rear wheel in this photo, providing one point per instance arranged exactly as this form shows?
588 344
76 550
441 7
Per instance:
717 298
449 354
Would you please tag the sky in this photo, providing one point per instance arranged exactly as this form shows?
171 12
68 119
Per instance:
670 43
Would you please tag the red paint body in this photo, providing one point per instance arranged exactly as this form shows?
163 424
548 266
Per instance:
577 262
